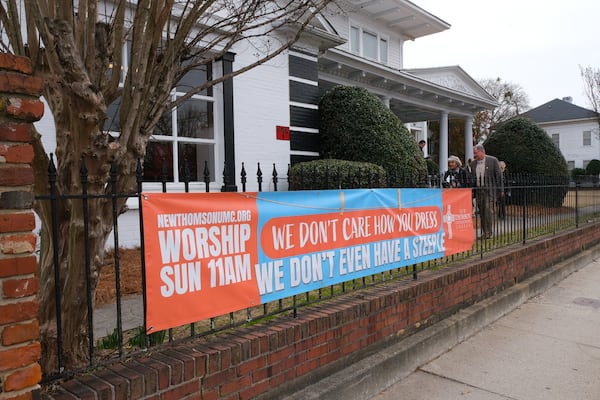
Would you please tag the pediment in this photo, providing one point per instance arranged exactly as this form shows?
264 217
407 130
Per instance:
452 77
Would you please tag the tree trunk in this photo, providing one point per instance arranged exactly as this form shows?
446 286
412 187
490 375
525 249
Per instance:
71 258
63 238
78 273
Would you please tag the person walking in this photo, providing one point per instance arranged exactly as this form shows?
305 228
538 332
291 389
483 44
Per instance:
488 187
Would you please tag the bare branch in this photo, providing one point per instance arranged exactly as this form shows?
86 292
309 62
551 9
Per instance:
512 101
591 86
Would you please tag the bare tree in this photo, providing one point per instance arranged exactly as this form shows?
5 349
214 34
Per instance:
512 99
591 86
77 47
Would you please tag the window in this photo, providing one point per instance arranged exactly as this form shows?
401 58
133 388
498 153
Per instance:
368 44
570 165
585 163
184 137
416 133
183 141
355 40
587 138
556 139
383 51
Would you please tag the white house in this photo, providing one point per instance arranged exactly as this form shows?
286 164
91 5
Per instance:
269 115
572 128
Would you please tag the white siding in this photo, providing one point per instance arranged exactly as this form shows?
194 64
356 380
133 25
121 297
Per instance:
571 140
45 127
341 23
261 102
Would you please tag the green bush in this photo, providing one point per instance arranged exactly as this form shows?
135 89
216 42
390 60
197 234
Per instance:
593 167
336 174
356 126
578 172
432 167
531 155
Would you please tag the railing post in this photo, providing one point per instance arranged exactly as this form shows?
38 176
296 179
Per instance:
576 204
139 177
225 178
88 267
115 216
259 178
52 176
274 178
206 177
243 178
186 175
525 192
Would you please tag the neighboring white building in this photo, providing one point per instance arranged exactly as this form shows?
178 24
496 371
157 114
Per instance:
574 129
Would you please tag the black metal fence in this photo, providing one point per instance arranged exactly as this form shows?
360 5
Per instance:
532 206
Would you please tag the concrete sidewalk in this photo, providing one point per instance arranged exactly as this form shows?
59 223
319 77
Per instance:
548 348
539 339
132 316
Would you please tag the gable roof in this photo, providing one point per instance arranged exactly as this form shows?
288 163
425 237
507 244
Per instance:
453 77
558 110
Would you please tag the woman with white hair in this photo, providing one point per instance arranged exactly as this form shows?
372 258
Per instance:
455 176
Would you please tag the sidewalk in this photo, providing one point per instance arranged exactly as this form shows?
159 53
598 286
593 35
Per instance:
539 339
549 348
105 320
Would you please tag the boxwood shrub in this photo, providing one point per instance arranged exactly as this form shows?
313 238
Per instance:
355 125
336 174
532 159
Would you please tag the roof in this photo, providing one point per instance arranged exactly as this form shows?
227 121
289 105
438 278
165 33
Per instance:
406 18
453 77
558 110
415 95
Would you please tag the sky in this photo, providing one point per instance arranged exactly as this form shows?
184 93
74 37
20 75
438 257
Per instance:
537 44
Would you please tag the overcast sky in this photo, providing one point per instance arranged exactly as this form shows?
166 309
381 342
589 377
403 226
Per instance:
538 44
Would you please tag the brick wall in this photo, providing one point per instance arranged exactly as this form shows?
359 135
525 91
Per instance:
20 106
267 359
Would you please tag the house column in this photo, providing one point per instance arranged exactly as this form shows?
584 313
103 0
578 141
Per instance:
386 102
228 126
468 138
443 161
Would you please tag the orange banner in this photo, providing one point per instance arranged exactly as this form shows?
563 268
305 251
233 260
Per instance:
200 251
208 254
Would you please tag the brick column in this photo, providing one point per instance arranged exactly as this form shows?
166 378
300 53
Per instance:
20 350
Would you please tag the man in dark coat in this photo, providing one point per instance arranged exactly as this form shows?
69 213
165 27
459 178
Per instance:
488 187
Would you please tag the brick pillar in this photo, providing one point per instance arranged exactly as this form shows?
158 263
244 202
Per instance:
20 350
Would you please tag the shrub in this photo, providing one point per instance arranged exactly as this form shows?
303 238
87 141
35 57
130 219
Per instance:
587 176
528 150
356 126
432 167
577 172
593 167
336 174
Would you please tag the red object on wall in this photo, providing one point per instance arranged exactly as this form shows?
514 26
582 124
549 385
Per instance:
283 132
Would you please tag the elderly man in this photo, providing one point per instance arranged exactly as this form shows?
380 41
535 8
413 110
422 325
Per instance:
488 186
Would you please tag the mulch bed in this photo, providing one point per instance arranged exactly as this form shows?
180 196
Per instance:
130 262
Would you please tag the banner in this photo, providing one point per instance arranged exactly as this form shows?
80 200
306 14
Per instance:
208 254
